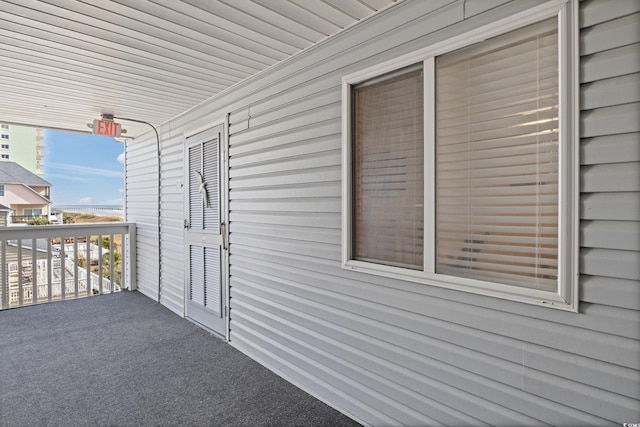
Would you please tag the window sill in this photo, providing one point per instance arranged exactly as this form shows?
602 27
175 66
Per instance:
507 292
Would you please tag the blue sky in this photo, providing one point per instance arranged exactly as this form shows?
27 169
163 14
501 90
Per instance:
83 168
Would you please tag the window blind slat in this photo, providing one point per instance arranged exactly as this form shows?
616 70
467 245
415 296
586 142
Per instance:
508 91
500 145
508 241
534 109
489 85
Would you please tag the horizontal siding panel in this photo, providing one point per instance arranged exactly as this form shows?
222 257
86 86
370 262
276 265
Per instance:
610 35
303 176
411 390
609 406
324 204
323 189
371 390
140 194
610 263
475 7
610 291
623 206
594 12
328 322
321 250
314 104
282 152
610 120
172 202
328 88
618 380
578 332
624 235
612 63
473 339
173 299
328 158
440 369
613 320
149 177
136 192
610 177
146 198
309 234
603 319
144 167
610 149
615 379
143 216
172 208
609 92
291 122
302 219
145 289
281 360
259 144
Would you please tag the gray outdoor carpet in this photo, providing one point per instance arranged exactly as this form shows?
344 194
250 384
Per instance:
124 360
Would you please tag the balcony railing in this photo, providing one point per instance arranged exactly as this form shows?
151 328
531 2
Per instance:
53 263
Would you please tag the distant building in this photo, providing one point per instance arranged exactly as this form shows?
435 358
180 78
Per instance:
22 145
23 192
5 213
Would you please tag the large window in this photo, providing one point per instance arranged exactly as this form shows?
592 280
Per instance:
460 163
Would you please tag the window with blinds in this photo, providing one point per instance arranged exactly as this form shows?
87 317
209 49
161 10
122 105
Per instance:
461 170
388 129
496 159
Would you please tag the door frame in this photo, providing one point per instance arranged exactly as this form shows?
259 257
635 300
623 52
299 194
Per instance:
224 216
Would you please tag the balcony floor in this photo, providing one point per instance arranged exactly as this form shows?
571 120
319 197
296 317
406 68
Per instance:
124 360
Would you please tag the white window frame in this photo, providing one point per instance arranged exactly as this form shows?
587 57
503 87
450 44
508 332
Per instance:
566 295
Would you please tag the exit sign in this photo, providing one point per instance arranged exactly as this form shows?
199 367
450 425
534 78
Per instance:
106 128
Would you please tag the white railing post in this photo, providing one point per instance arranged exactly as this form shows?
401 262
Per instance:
131 259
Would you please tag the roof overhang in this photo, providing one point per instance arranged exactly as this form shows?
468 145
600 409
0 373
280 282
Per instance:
63 63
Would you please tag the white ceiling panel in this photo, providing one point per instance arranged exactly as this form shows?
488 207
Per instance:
64 62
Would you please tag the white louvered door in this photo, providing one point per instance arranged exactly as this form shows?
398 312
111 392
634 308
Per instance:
203 230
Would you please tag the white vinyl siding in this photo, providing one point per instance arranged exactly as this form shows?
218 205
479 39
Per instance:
141 207
388 351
